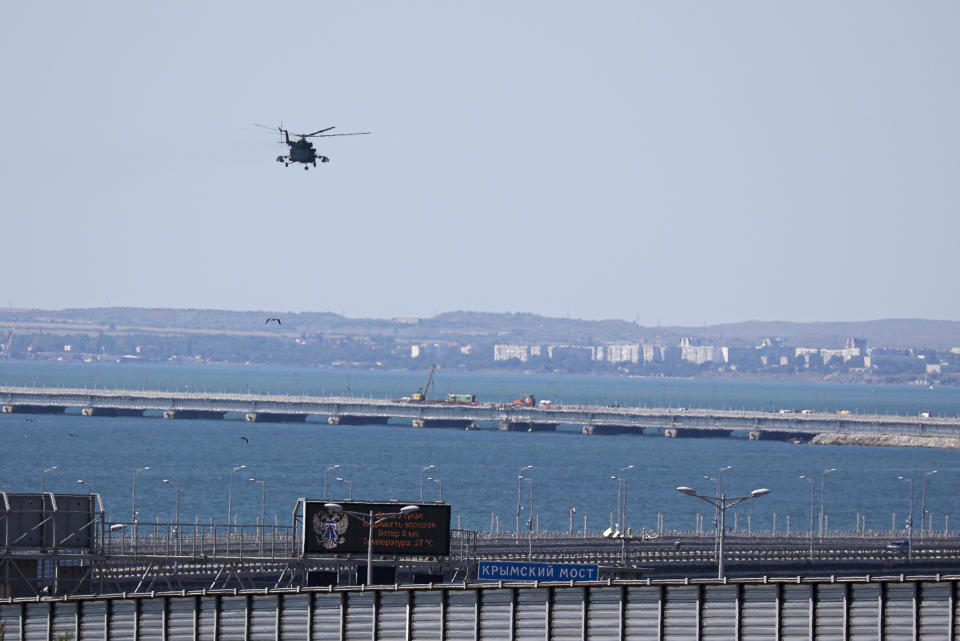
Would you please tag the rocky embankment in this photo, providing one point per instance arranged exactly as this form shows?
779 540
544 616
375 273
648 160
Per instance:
888 440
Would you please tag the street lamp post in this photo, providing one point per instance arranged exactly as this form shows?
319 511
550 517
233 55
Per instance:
909 519
716 516
573 511
90 485
530 522
438 482
823 478
622 498
722 503
384 516
325 470
349 485
422 470
45 470
236 468
133 501
520 478
813 486
923 501
176 486
263 494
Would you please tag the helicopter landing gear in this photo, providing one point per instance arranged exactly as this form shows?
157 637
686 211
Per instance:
306 167
280 158
322 159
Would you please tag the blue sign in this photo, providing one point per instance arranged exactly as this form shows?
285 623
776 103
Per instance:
514 571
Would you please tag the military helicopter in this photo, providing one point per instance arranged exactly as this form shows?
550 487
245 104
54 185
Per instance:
301 149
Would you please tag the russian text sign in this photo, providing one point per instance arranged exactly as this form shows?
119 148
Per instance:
517 571
327 531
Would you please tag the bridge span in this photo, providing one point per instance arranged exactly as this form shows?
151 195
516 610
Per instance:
591 419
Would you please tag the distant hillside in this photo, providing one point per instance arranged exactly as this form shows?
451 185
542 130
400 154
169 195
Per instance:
462 325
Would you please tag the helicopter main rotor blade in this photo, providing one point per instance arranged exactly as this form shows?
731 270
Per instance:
355 133
257 124
320 131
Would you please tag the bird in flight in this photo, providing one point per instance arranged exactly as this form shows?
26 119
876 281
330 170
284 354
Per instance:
245 439
272 319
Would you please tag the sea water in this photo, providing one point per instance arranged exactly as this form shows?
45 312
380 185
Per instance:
475 470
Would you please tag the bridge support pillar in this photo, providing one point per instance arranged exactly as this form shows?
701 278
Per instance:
350 419
33 409
612 429
773 435
110 411
275 417
193 414
686 432
527 426
459 423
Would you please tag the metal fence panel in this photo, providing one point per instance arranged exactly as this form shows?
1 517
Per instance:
603 613
293 617
758 613
9 622
680 613
530 616
207 618
795 613
151 619
359 616
461 614
898 611
327 619
496 608
233 618
123 615
642 613
426 620
35 626
180 618
392 615
935 611
263 617
566 614
65 620
829 609
718 613
864 612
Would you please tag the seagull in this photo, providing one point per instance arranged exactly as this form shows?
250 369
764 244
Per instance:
245 439
272 319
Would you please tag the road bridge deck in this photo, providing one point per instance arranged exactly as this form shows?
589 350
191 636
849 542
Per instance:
199 404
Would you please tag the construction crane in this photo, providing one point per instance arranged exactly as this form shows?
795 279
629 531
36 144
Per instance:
6 349
422 395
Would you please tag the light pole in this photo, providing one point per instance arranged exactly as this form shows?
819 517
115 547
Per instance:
176 486
349 484
813 486
422 470
133 501
438 482
909 518
45 470
530 522
384 516
923 501
236 468
722 502
325 470
263 494
520 478
716 517
573 511
823 478
622 498
90 485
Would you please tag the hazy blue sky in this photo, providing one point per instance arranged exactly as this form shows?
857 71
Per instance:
671 162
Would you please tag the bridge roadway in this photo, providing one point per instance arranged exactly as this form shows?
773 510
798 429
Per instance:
596 419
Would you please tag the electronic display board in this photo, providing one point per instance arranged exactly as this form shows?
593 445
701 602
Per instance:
329 531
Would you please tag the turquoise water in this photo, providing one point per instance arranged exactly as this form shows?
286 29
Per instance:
477 469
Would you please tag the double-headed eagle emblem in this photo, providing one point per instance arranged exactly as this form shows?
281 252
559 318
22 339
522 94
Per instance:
330 526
